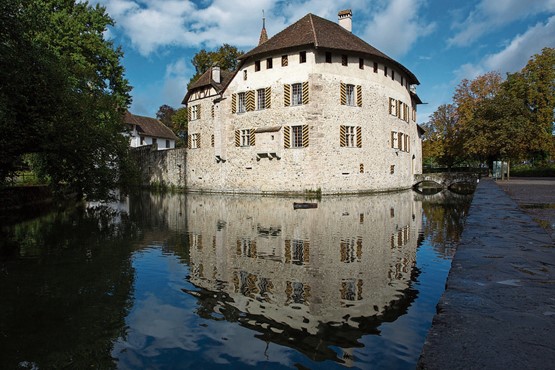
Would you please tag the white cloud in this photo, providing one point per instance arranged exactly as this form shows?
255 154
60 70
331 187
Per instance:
516 54
175 82
397 27
489 15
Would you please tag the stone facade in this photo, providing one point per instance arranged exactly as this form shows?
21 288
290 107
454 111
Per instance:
160 167
306 119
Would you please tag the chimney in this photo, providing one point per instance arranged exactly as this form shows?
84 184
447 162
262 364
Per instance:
216 77
345 19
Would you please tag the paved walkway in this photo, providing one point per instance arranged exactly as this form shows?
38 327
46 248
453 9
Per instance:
498 310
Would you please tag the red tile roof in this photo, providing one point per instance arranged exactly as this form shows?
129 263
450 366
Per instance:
147 126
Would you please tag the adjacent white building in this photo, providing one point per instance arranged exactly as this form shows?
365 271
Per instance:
313 108
149 131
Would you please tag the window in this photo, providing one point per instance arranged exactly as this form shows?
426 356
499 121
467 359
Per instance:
284 61
195 141
350 95
402 80
261 97
257 66
344 60
167 143
297 94
142 140
328 57
375 67
245 137
154 141
302 57
350 136
194 112
392 169
394 143
269 63
245 75
392 74
297 136
385 71
241 105
414 113
392 107
361 63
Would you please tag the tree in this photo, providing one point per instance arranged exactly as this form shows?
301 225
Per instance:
62 95
180 123
226 57
165 114
443 140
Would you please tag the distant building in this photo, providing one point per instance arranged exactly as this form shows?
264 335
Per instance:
149 131
313 108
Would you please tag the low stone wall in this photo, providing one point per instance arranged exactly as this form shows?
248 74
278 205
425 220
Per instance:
161 167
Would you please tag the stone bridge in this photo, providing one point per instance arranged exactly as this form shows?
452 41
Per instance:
446 179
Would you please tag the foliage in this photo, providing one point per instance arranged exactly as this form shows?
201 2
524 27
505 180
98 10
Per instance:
62 95
164 114
442 140
226 57
527 170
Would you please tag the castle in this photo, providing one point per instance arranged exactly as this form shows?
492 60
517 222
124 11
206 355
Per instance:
313 108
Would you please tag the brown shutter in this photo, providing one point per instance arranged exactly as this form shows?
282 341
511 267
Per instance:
343 94
198 140
188 113
390 101
305 136
393 133
287 252
252 136
305 93
408 144
233 103
306 251
189 141
400 141
198 111
268 97
359 137
212 140
398 108
237 138
212 111
286 137
359 95
287 95
250 100
342 139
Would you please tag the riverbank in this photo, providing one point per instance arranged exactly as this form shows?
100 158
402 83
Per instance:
498 309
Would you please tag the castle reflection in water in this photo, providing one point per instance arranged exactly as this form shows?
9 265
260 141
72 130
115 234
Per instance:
342 268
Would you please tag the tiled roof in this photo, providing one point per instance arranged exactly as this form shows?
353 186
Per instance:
147 126
206 80
321 33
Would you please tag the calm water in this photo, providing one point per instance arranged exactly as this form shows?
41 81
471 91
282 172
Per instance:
210 281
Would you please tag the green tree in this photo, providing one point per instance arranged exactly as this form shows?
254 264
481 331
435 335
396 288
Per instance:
442 140
226 57
165 114
180 124
62 95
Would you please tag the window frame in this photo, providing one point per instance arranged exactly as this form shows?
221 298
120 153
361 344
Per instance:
297 136
350 95
241 102
296 94
344 60
194 112
302 57
195 142
245 137
269 63
257 66
261 99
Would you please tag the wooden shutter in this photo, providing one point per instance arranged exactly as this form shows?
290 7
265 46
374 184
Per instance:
249 96
342 138
359 95
305 93
287 95
305 136
408 146
198 111
198 140
188 113
359 137
286 137
233 103
288 254
189 140
306 251
237 138
268 97
398 108
393 134
343 94
400 141
390 105
212 140
212 111
252 139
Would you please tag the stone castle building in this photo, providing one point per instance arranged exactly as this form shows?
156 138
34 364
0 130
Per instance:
313 108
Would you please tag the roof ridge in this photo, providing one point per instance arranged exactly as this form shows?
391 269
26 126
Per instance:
313 30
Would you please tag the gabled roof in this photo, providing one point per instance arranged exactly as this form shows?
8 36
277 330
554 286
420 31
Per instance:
147 126
321 33
206 80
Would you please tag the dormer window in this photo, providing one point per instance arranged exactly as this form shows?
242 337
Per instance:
257 66
302 57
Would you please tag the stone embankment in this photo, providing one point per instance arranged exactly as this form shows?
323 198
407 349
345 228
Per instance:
498 309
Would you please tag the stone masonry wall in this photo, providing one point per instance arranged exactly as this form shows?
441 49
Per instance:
161 167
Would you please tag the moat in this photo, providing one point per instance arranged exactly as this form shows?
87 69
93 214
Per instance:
212 281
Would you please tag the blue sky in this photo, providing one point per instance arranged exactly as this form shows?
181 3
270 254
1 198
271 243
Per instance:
441 41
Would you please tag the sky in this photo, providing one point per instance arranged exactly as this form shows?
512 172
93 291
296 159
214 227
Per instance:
440 41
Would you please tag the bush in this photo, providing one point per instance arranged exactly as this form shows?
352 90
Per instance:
526 170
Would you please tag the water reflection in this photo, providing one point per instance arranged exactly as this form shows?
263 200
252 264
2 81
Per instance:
180 281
